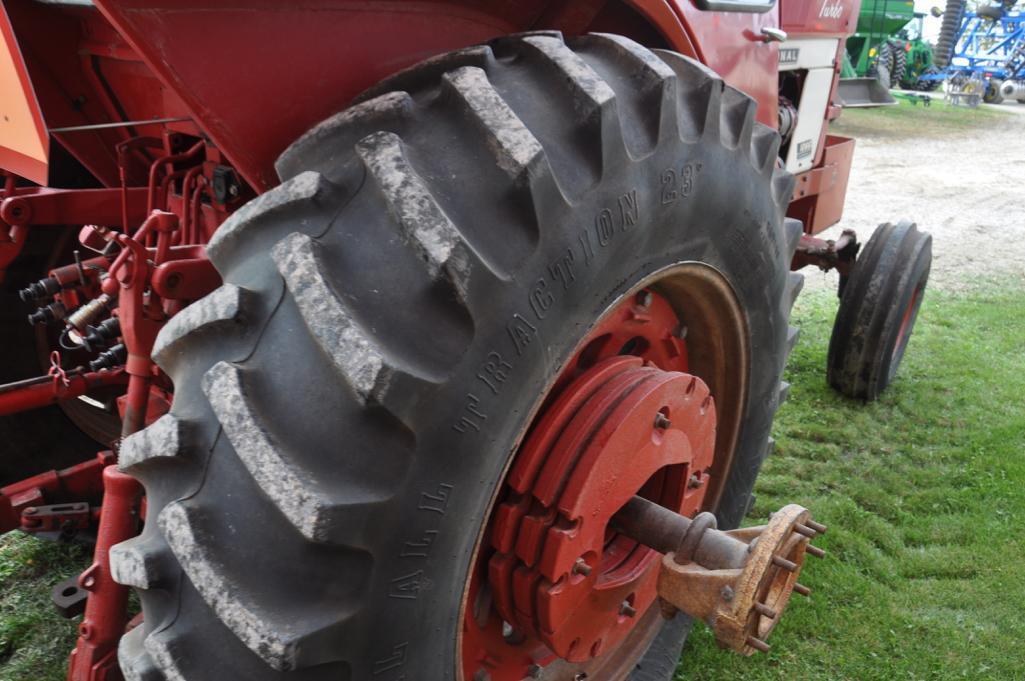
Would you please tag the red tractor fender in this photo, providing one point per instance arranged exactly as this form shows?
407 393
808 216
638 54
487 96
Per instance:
252 76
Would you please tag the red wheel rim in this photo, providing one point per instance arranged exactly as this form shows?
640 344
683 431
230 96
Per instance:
552 587
906 323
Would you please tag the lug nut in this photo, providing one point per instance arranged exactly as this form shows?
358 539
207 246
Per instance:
694 481
581 567
661 422
627 610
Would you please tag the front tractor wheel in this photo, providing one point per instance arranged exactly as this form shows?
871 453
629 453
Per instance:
878 309
507 292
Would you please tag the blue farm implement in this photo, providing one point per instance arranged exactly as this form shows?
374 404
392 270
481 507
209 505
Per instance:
984 53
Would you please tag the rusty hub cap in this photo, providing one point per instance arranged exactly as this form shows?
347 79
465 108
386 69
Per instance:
553 580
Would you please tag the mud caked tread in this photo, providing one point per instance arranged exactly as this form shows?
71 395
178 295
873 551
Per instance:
162 439
360 297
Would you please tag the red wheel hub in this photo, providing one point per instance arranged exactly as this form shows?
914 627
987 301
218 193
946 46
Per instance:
553 580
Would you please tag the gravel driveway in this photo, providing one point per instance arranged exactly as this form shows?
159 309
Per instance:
966 188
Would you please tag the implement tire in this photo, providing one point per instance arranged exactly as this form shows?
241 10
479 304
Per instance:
948 33
316 494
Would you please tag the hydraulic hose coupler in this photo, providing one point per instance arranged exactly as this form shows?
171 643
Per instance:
48 314
40 290
110 359
81 318
98 336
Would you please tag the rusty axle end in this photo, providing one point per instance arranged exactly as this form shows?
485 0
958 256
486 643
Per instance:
738 581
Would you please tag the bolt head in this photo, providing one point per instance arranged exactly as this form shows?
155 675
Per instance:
581 567
727 593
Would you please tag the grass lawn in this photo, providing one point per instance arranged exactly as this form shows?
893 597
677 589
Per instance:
907 120
34 639
923 492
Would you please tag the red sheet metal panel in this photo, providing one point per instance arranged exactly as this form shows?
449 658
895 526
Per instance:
24 144
255 74
732 45
822 18
258 73
819 196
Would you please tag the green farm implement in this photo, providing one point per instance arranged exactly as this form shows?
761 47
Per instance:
886 51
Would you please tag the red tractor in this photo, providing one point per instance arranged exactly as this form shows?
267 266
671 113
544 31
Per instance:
420 340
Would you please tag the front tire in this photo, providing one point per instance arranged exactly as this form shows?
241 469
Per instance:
878 309
317 493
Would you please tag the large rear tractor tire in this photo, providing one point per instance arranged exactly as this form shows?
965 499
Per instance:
900 64
395 316
878 309
883 69
928 85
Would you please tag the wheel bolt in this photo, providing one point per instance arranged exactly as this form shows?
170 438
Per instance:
758 644
806 531
818 527
581 567
627 610
694 481
661 422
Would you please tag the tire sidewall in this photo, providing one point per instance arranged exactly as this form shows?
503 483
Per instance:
529 328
